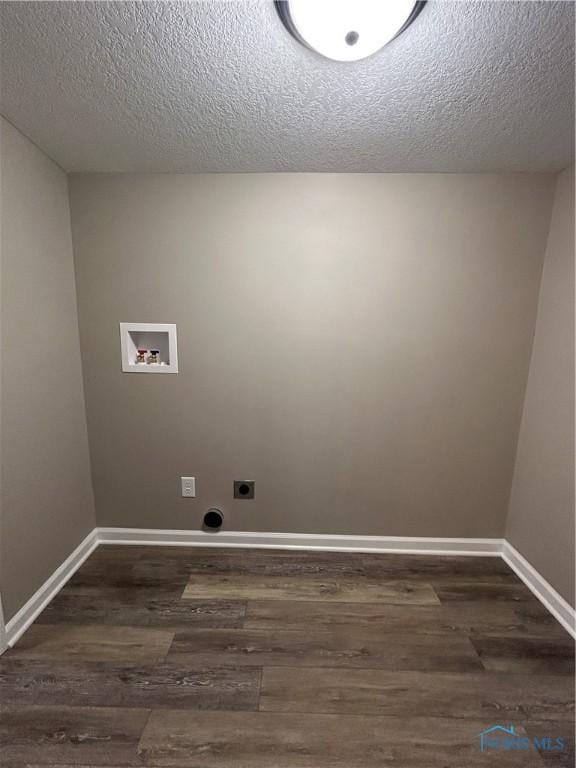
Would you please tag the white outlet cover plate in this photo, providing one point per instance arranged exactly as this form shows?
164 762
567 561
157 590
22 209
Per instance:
188 487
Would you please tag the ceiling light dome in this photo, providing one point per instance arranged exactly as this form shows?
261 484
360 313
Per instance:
347 30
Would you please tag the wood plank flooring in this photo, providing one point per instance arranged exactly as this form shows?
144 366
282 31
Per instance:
242 587
208 658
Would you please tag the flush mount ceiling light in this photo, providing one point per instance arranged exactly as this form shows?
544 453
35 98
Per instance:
347 30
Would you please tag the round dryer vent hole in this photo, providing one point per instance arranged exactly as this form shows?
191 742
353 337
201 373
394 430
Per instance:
213 520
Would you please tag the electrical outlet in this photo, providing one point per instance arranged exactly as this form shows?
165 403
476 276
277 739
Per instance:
244 489
188 487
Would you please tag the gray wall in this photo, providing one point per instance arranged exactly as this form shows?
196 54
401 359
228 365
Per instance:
47 502
357 344
541 517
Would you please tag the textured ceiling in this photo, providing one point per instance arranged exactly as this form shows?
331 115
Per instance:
221 86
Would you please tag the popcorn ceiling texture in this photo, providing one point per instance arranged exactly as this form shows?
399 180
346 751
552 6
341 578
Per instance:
221 86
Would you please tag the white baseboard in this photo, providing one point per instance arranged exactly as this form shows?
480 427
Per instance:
3 638
545 592
19 623
311 541
547 595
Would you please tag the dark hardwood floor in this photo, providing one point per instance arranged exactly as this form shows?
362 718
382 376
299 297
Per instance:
215 658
